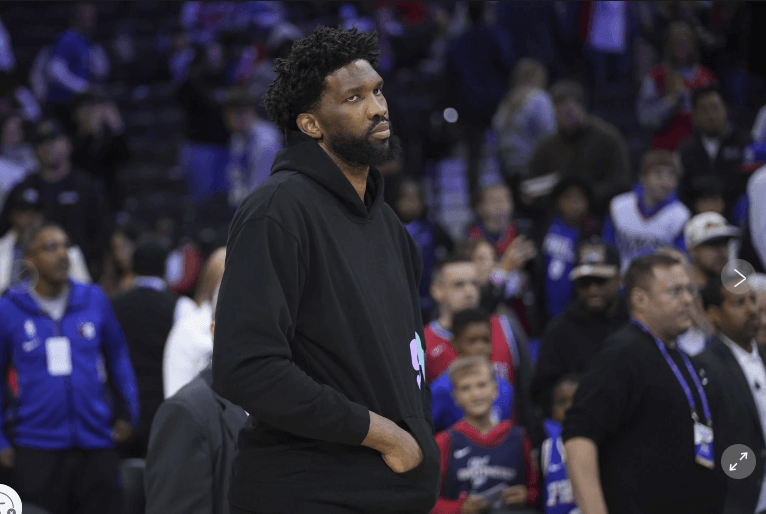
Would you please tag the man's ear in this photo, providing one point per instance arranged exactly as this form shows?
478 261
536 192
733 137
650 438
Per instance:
638 298
309 125
436 290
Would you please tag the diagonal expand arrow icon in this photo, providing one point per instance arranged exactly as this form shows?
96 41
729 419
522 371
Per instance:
744 456
732 467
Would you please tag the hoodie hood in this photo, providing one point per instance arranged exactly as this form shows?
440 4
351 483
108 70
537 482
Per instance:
304 155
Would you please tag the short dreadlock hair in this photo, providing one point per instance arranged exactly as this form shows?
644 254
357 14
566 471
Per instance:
301 76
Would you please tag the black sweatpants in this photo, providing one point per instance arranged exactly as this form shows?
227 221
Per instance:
69 481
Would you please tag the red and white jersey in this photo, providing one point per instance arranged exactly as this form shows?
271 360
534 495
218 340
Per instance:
440 353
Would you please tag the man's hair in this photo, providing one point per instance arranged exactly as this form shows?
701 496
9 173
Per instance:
301 76
653 158
131 229
565 89
29 238
462 319
699 94
641 271
712 293
438 271
461 365
150 256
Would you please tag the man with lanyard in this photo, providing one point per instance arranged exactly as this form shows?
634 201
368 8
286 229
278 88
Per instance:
640 438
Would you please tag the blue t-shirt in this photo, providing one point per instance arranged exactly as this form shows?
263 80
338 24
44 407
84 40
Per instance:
74 49
446 413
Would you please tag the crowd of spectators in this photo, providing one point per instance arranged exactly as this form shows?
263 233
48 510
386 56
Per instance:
587 132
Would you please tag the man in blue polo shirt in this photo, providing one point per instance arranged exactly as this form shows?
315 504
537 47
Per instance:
62 338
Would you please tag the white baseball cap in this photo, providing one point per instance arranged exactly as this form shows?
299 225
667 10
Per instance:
708 227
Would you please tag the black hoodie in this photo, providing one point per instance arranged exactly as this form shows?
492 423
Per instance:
318 322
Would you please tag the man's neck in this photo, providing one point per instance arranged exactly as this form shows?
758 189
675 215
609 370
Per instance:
649 201
49 290
483 424
445 321
745 344
357 175
667 340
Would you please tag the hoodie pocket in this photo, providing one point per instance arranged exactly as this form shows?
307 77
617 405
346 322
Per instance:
416 490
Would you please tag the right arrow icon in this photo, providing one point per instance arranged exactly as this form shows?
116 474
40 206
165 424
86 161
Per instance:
732 467
744 456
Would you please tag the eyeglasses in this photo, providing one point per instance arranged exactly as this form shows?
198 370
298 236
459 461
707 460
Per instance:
677 291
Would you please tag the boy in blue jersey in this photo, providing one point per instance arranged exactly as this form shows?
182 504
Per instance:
486 465
471 337
572 223
557 489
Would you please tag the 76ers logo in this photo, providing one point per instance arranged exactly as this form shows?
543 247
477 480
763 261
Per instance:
87 330
418 359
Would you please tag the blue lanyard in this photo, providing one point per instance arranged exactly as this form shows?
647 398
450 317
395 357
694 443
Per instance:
680 378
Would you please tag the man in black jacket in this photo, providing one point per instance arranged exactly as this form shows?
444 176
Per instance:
575 336
146 314
192 446
69 197
736 364
319 334
638 438
715 150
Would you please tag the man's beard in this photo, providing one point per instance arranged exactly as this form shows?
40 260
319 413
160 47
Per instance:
360 151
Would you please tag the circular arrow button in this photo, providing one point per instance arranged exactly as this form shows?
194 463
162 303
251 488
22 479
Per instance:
736 276
738 461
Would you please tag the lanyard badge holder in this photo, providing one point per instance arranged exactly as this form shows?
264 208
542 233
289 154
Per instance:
703 432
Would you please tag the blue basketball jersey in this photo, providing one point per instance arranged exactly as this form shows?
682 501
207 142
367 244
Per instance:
474 468
557 489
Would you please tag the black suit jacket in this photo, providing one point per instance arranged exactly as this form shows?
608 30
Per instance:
726 168
191 449
735 421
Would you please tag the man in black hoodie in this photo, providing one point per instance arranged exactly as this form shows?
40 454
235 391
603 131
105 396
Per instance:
319 333
575 336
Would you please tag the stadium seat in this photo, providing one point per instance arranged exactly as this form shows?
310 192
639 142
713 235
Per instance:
133 480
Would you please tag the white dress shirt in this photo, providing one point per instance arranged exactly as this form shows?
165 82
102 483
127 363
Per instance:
188 350
755 374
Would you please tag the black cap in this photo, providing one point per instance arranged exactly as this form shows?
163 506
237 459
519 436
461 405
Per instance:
596 258
46 130
25 199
